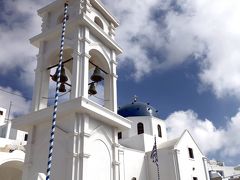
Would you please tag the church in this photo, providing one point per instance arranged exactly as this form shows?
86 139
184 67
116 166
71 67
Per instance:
93 138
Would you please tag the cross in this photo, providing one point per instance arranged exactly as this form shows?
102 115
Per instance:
135 98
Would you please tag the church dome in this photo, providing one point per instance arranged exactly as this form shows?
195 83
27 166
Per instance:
137 109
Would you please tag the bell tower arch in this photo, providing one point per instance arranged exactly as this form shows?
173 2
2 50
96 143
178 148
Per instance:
88 91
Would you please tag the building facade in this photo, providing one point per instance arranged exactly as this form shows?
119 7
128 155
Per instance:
93 139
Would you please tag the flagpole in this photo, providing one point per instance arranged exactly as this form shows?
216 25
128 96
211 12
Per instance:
157 158
158 171
154 156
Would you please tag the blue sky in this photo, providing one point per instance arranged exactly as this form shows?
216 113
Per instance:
181 56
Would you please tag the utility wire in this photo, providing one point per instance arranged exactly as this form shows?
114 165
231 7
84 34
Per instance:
12 93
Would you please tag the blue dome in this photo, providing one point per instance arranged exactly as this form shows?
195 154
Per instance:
137 109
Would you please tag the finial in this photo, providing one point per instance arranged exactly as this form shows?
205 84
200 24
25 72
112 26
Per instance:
135 98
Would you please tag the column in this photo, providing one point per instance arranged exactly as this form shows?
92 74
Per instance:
115 158
80 67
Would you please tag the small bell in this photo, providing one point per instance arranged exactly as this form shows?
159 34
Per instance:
92 89
63 77
97 75
62 88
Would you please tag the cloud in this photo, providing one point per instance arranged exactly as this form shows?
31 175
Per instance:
224 142
18 23
155 35
19 104
158 35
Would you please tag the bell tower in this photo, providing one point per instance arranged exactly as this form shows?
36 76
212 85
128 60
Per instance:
86 143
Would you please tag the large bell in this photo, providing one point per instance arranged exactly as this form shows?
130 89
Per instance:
62 88
63 77
97 75
92 89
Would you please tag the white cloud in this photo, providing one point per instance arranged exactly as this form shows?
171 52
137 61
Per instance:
185 28
207 31
19 23
223 142
19 104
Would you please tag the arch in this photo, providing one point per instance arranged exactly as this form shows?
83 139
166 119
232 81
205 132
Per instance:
11 170
99 58
159 130
100 154
140 128
99 22
134 178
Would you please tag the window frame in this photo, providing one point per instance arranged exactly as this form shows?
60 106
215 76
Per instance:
159 130
190 153
140 128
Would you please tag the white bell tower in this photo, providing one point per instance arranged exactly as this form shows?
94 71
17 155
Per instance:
86 142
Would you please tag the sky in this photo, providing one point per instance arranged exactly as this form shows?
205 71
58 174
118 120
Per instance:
181 56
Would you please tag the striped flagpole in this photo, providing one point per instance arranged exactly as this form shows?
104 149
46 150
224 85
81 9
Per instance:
51 142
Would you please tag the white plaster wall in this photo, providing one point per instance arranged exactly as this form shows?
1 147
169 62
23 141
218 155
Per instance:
166 165
155 123
227 170
39 152
95 13
143 142
3 116
99 146
146 120
56 13
132 164
188 167
94 41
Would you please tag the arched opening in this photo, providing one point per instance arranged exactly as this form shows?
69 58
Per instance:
99 161
140 128
159 131
65 85
98 66
134 178
98 21
11 170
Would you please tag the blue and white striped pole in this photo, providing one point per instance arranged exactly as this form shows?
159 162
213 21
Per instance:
51 142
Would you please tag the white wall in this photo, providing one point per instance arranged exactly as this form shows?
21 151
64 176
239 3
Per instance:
166 165
132 164
190 167
3 116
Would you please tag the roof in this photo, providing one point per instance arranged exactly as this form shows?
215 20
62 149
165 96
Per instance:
169 144
137 109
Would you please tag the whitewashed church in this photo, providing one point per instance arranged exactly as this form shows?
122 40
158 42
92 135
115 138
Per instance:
94 140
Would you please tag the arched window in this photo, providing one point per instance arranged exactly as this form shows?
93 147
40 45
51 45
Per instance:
98 21
159 131
140 128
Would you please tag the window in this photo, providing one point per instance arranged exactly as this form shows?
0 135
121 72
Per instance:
195 178
26 137
98 21
140 128
190 152
120 135
1 112
159 131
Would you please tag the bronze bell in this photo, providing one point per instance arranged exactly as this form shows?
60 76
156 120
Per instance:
63 77
92 89
62 88
97 75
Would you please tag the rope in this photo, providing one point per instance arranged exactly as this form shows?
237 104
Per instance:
51 142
